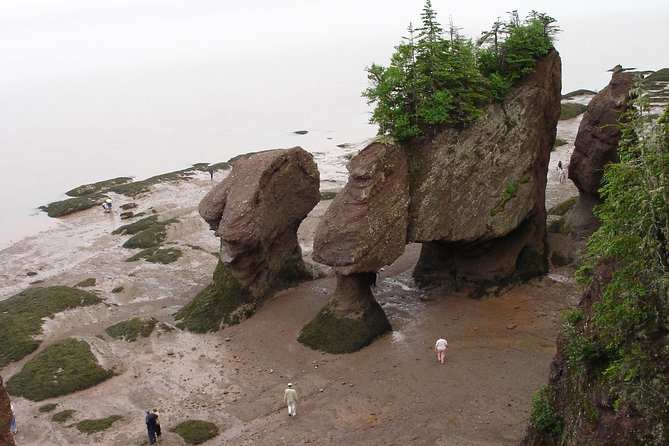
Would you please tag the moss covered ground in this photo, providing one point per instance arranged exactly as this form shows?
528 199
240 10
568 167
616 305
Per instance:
21 317
61 368
157 255
101 424
86 283
216 305
62 416
96 188
333 334
569 110
47 408
195 431
137 226
72 205
131 329
151 236
564 207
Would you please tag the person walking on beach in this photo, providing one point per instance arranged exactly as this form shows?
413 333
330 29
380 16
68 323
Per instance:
290 398
151 420
107 205
210 169
440 349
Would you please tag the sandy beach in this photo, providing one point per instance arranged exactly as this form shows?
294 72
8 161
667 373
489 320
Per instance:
392 392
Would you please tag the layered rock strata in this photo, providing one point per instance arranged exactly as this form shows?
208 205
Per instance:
256 211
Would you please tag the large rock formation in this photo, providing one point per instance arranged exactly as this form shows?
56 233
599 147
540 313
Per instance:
478 195
598 135
474 197
256 211
6 437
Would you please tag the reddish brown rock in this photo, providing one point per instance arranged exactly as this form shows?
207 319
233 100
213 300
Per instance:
6 437
478 194
256 211
598 135
365 227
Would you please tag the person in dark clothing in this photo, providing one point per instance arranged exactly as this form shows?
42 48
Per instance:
151 420
210 169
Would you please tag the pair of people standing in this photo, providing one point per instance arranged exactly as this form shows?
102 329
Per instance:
152 425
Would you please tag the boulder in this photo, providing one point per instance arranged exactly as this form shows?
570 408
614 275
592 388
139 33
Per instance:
6 437
598 135
256 211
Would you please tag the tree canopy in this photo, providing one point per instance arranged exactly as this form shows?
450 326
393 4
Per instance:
440 78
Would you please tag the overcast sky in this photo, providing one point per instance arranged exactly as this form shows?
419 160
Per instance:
71 37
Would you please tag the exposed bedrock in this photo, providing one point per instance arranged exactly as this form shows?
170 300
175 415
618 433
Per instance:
256 211
478 194
6 437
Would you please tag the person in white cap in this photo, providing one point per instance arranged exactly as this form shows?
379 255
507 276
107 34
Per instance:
290 398
107 205
440 349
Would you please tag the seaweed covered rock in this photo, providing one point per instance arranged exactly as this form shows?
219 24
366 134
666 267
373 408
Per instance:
348 322
6 437
256 211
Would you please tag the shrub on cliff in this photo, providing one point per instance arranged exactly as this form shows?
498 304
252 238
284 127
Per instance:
433 80
617 355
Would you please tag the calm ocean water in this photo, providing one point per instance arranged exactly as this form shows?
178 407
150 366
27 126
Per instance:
95 90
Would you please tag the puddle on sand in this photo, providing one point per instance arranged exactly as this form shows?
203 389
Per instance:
402 303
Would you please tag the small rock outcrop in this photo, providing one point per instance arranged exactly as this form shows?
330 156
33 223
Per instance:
598 135
6 437
256 211
475 198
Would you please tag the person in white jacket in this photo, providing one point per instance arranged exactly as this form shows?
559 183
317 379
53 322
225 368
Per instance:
440 349
290 398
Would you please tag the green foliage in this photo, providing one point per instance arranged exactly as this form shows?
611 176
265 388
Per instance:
130 330
330 333
569 110
101 424
509 193
435 80
573 317
21 317
62 416
47 407
61 368
157 255
195 431
631 321
542 416
224 302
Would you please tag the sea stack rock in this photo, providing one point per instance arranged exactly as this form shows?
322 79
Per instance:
256 211
595 146
478 194
364 229
6 437
474 197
